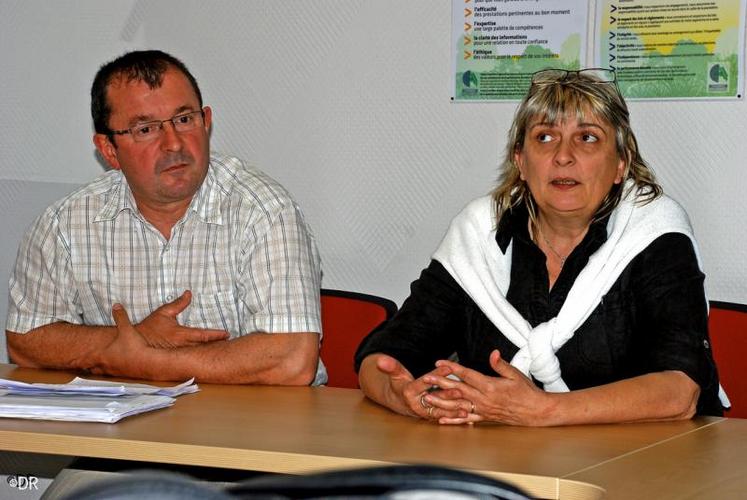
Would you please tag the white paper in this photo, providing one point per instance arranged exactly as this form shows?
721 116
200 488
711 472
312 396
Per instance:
79 408
84 400
186 387
97 387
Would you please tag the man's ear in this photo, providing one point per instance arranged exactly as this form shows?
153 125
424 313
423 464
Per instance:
207 117
106 149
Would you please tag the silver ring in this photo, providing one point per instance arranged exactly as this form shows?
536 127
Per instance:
472 407
430 412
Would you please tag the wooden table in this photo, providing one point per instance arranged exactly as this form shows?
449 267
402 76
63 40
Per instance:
301 430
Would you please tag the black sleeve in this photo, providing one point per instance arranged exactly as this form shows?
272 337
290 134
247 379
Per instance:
671 314
424 330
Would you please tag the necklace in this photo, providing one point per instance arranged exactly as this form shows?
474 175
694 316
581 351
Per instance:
552 249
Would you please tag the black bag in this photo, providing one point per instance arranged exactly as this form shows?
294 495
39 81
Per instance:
400 482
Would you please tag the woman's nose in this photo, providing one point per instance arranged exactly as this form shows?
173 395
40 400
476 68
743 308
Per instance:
564 154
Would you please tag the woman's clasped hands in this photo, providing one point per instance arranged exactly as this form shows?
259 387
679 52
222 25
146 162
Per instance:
459 395
453 394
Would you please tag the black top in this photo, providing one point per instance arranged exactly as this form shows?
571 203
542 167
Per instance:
654 318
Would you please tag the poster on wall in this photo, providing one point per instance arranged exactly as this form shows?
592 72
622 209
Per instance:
677 49
498 44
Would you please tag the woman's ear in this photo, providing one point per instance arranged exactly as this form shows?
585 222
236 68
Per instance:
519 162
622 168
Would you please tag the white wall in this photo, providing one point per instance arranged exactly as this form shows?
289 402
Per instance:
346 102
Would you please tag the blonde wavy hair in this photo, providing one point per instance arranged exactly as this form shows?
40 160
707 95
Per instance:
553 101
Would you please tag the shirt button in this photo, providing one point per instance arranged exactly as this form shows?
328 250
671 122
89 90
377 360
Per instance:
169 298
706 344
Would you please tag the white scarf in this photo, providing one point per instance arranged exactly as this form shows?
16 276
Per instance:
470 253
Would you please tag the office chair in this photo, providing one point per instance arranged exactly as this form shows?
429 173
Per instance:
727 326
347 317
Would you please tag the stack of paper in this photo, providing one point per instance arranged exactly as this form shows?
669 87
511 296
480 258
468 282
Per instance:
85 400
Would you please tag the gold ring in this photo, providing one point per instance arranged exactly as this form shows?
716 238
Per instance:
472 407
430 412
423 402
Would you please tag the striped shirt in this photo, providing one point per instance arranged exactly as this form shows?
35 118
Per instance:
242 248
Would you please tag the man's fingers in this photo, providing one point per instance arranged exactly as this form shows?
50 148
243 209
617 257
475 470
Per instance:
178 305
213 335
121 318
127 343
201 336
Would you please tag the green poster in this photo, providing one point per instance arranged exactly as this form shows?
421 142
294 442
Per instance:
498 44
673 49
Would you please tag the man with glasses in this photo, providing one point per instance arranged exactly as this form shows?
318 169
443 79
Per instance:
177 262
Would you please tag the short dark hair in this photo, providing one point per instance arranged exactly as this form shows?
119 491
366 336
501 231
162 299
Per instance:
146 66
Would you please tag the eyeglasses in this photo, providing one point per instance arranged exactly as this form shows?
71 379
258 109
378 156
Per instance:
148 131
591 75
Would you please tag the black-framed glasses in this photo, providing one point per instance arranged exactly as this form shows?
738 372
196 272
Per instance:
148 131
592 75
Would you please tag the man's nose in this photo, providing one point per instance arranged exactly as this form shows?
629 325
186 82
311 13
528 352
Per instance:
171 140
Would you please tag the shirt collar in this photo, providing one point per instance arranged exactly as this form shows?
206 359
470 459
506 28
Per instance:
205 203
514 224
118 199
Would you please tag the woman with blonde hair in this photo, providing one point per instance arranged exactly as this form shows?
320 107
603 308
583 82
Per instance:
572 294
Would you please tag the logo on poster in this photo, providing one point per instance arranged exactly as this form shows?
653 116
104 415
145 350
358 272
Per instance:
718 78
469 80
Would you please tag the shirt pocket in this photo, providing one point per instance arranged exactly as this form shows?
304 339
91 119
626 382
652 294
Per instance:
95 296
213 310
602 341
